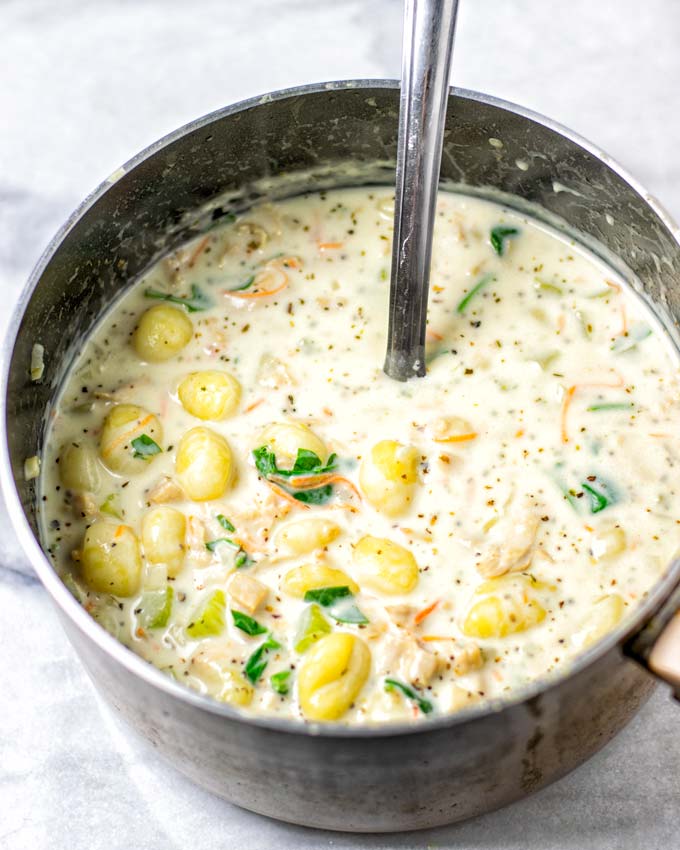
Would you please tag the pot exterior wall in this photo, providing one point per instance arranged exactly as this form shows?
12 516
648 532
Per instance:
383 783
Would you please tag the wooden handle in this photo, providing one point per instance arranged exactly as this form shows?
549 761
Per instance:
664 659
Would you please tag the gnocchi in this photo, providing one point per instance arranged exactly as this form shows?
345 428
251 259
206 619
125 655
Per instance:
210 394
332 675
163 532
388 476
111 561
163 331
385 566
204 464
129 439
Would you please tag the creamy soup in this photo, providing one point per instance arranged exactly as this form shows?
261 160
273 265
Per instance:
234 489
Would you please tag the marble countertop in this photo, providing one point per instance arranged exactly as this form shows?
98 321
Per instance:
83 86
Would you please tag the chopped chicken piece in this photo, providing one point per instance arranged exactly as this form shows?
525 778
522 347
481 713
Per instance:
411 662
195 542
247 591
515 553
273 373
467 659
165 490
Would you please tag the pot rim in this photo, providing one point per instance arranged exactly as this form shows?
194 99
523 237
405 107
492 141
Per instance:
152 676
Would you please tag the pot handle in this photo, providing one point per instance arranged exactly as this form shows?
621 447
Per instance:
657 645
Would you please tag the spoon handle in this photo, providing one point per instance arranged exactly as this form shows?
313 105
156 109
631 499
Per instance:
426 60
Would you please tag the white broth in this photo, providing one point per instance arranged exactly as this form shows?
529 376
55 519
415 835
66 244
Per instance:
234 489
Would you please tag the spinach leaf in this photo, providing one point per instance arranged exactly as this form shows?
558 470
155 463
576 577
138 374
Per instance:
257 662
306 463
499 235
144 447
247 624
279 682
326 596
339 602
423 704
481 283
224 522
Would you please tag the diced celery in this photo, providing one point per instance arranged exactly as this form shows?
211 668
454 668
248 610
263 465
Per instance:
156 607
209 620
313 626
111 506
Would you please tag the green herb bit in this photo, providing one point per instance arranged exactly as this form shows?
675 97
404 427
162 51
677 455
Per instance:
629 341
279 682
313 626
156 607
623 405
601 497
548 288
247 624
209 620
111 506
257 663
196 302
143 447
423 704
485 280
212 545
498 236
225 523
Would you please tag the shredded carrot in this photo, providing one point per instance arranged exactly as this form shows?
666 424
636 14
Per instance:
286 496
588 527
497 675
253 405
624 320
327 411
561 322
124 437
120 531
431 638
263 293
304 482
421 615
438 288
329 246
140 632
613 285
457 438
198 250
663 436
519 433
286 262
433 335
569 397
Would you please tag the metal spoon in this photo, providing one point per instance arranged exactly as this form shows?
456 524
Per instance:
429 27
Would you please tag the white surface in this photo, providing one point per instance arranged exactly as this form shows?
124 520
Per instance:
83 86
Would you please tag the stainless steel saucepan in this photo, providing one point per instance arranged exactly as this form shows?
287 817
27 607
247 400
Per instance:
340 134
